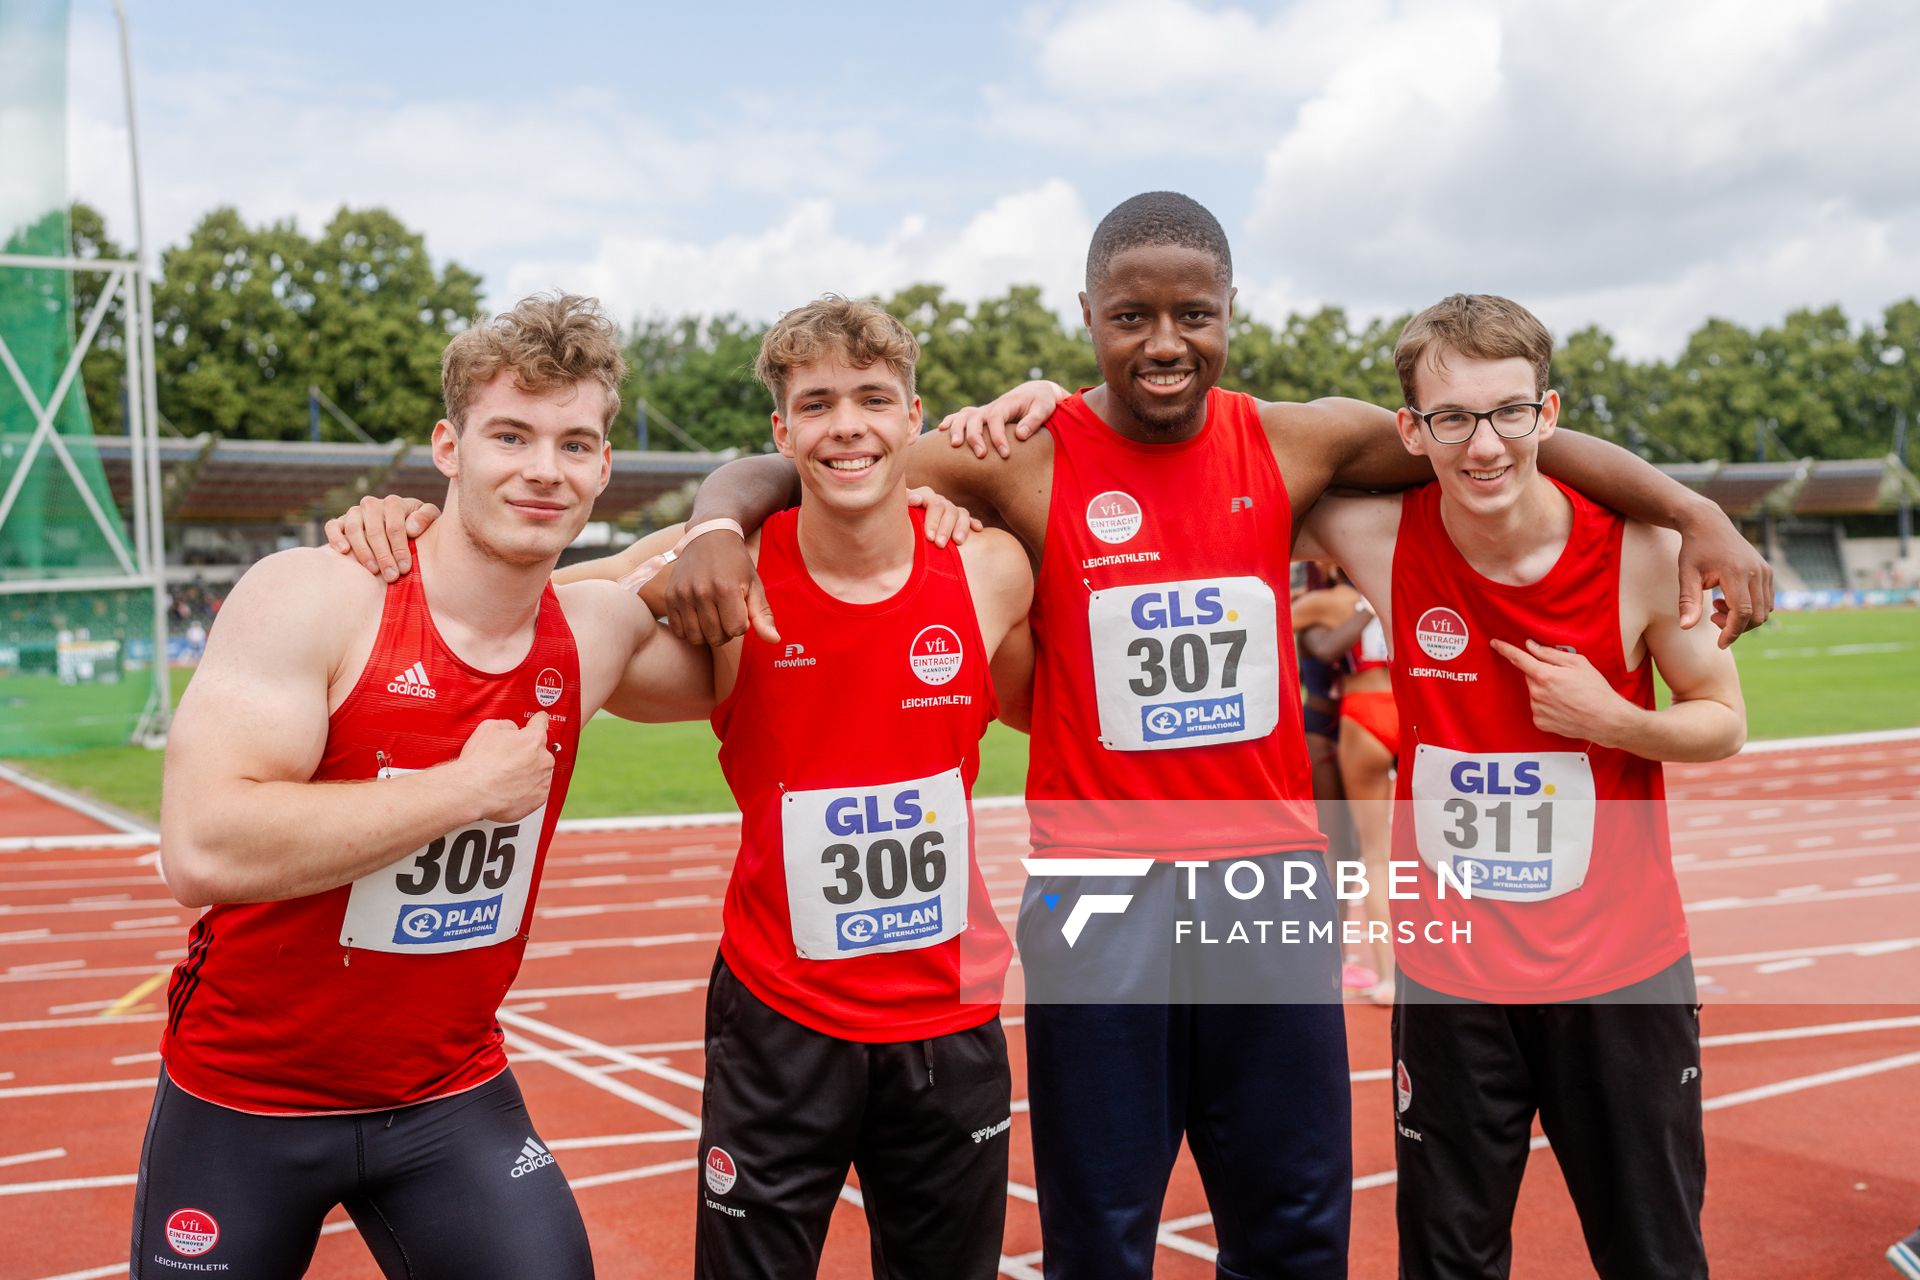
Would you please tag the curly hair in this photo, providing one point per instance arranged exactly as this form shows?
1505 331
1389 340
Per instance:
548 341
859 332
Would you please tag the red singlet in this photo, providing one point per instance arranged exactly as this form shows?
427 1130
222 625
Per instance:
1166 709
383 992
856 907
1565 842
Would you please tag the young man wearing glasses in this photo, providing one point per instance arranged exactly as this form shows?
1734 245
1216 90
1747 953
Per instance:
1522 615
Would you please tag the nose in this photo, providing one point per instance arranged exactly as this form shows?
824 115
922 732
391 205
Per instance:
542 464
1163 340
847 422
1485 444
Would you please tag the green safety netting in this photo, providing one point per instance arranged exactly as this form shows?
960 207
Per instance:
67 657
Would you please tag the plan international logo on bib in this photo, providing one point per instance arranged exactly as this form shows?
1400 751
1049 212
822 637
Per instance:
448 923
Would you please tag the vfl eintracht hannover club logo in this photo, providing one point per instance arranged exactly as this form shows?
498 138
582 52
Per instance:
1092 904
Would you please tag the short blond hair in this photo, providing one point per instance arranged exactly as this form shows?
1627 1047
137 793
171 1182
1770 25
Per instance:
1482 326
859 332
547 341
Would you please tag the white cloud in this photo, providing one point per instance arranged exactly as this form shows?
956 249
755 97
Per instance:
1638 163
1037 236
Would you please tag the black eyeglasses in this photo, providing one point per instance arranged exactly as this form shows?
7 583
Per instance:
1456 426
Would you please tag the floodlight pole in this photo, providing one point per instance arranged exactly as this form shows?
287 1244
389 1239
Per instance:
145 449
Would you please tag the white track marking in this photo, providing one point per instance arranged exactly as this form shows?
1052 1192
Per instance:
621 1139
98 1273
67 1184
29 1157
1815 1081
1830 740
1789 898
54 1024
129 1059
1881 947
1808 1033
86 808
631 1175
619 990
77 1086
619 1057
1786 966
527 1050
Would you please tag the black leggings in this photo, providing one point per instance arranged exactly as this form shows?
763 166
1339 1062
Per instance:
461 1188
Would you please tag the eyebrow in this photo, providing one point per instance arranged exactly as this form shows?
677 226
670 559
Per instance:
1445 405
819 393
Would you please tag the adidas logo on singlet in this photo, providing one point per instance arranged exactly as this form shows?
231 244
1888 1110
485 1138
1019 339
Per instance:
412 683
532 1156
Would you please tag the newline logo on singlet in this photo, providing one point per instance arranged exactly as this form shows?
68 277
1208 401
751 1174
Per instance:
412 683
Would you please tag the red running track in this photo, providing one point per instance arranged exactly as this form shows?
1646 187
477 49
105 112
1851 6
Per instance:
1799 868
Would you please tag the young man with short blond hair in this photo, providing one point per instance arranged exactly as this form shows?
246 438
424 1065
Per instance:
361 786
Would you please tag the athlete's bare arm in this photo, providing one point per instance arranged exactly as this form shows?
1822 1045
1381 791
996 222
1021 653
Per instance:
631 664
1708 717
1001 583
240 818
377 528
1331 621
1351 444
621 563
1357 533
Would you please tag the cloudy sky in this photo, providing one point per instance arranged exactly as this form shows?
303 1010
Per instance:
1637 163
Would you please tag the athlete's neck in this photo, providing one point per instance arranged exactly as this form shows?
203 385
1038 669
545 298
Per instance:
861 557
1112 410
483 607
1517 546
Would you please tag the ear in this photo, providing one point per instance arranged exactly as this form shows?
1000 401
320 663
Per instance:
1086 311
1549 414
782 436
1412 435
1232 293
446 448
606 465
915 415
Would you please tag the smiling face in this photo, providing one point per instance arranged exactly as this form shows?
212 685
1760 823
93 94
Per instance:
525 466
1487 474
846 429
1158 314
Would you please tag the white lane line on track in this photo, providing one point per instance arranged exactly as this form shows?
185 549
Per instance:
632 1175
86 808
1800 1083
1879 947
528 1051
98 1273
1790 898
1770 745
29 1157
621 1139
618 990
67 1184
1758 859
618 1057
55 1024
77 1086
1786 966
1773 1034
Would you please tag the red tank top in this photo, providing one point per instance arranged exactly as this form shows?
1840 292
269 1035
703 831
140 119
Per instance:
856 907
1563 842
1166 709
383 992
